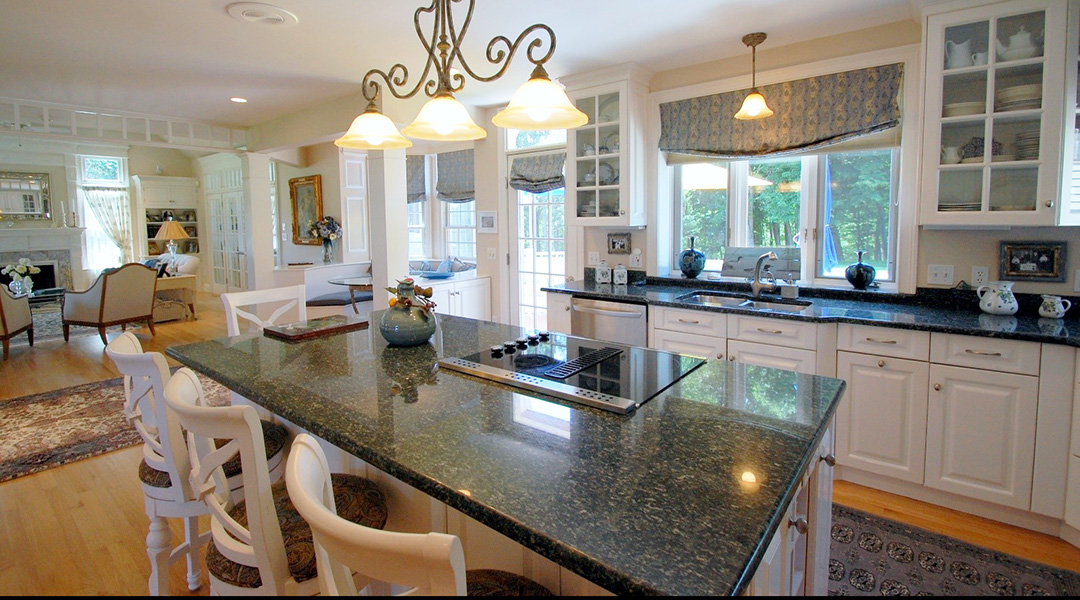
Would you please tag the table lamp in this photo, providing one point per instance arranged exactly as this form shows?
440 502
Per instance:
171 231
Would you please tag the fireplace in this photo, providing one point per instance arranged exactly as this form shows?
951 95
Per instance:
42 281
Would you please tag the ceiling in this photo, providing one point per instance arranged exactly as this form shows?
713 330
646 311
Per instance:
186 58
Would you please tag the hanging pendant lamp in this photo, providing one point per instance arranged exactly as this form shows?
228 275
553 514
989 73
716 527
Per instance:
754 106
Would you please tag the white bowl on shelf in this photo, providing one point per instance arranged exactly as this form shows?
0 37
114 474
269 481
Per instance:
961 109
1018 53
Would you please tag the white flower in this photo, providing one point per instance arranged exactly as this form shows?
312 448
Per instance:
333 236
21 269
34 270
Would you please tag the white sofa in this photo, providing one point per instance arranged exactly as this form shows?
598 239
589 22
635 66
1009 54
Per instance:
171 305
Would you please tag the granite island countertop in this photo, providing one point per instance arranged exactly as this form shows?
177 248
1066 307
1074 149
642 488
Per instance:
646 503
920 317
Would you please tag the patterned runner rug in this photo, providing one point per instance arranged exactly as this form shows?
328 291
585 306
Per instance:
47 430
872 556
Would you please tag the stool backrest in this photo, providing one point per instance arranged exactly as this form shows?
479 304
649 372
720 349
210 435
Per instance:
432 564
259 544
292 296
145 375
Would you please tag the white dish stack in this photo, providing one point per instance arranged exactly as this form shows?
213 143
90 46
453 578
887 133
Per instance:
1027 145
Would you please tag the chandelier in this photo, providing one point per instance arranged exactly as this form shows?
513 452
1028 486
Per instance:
539 104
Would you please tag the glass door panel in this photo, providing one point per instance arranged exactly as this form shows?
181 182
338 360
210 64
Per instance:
541 253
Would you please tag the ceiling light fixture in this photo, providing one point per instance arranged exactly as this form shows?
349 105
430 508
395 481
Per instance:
238 100
538 105
754 107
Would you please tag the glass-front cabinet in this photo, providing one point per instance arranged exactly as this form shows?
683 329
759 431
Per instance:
995 85
605 168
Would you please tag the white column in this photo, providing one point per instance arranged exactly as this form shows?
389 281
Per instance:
255 169
389 221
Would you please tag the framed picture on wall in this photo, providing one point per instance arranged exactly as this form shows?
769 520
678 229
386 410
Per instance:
618 243
1033 261
306 196
487 221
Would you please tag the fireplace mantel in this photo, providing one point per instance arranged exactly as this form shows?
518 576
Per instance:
42 241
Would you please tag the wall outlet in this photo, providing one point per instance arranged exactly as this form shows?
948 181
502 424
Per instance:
491 253
636 261
594 259
939 275
980 275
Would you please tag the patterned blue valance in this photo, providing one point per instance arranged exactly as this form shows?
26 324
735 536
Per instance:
417 182
538 173
810 113
455 178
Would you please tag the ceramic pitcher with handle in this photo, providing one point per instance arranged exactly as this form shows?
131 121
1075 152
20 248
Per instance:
1054 307
958 55
996 298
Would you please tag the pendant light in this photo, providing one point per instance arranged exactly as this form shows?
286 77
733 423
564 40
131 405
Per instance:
538 105
754 106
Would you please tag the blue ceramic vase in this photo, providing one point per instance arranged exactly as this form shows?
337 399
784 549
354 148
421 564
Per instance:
411 321
691 262
860 275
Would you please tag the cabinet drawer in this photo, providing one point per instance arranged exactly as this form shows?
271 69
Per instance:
884 341
776 357
689 343
691 321
777 332
1009 356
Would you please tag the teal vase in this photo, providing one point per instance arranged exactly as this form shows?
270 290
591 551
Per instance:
406 323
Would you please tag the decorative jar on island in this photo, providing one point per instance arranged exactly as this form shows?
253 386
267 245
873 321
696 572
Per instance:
410 320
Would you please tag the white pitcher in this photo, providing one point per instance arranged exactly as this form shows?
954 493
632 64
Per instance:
1054 307
958 55
996 298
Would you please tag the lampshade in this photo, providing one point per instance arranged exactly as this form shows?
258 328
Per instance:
171 230
540 105
754 107
372 130
444 119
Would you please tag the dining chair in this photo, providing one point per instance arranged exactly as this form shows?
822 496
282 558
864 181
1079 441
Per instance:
261 544
166 467
15 318
428 564
293 295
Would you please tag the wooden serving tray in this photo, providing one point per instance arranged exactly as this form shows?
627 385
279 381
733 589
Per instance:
313 328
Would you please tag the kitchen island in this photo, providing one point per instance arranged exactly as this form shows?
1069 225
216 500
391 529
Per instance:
682 496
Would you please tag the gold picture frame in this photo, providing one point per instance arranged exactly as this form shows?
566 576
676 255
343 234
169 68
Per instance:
306 196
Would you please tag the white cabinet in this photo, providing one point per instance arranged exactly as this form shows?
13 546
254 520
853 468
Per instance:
993 127
883 415
558 312
1072 503
605 166
777 357
470 298
689 343
158 199
980 434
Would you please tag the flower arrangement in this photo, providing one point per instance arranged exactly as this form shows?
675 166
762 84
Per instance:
326 229
20 273
407 295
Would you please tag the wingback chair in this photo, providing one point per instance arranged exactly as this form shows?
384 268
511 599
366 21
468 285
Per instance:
14 318
118 297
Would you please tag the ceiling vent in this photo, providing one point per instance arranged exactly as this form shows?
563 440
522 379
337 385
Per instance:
261 14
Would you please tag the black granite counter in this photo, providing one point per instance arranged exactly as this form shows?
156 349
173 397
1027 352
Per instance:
649 503
943 313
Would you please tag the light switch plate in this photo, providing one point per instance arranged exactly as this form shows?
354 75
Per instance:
980 275
594 259
939 275
491 253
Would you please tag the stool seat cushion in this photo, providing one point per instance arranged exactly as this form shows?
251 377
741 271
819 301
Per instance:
340 299
357 500
487 582
274 436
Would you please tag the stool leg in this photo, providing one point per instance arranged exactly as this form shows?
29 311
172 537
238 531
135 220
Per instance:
194 544
159 547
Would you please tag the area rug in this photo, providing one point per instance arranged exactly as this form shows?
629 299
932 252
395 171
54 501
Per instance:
872 556
47 430
49 325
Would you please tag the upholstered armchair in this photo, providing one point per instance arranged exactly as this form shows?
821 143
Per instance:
14 318
119 297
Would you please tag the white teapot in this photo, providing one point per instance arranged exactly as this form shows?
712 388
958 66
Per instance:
958 55
996 298
1054 307
1017 41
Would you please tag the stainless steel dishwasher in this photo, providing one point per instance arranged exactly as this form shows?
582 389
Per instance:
619 322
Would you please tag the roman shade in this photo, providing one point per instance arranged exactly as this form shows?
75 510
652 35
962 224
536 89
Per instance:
811 114
538 173
455 177
416 181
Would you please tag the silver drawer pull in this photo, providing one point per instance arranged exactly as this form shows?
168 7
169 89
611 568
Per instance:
689 322
770 331
877 341
980 353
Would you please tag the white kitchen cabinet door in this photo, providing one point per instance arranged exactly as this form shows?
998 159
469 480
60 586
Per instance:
558 315
881 422
980 435
819 519
773 575
473 298
1072 502
689 343
777 357
441 296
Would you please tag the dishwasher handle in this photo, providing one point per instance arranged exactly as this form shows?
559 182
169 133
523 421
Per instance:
621 314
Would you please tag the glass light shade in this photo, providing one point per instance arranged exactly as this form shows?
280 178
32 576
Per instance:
444 119
754 107
372 130
540 105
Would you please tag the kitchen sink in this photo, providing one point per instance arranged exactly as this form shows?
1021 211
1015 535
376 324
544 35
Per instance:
729 300
714 298
790 306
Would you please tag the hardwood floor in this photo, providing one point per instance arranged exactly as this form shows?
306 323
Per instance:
80 529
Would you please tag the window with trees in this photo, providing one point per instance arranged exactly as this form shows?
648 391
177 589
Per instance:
416 230
461 229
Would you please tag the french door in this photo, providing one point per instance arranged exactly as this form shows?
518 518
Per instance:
228 238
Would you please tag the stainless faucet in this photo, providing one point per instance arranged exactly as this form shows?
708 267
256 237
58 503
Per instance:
756 284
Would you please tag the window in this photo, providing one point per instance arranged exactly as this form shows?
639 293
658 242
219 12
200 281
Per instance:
523 140
416 230
848 197
105 176
461 229
100 170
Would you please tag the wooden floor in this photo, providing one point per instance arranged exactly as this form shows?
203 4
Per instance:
81 529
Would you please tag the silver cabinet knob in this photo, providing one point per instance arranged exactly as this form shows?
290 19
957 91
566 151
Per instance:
1049 204
937 387
731 358
828 459
881 363
720 356
622 212
567 309
800 525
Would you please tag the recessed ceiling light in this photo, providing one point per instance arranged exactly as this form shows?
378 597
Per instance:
261 14
239 100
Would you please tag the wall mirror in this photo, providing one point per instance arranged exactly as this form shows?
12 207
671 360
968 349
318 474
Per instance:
306 195
24 196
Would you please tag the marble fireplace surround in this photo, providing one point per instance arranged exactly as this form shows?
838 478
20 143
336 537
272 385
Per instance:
61 246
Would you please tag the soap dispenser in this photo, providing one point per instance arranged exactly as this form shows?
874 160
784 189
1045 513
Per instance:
619 275
603 273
